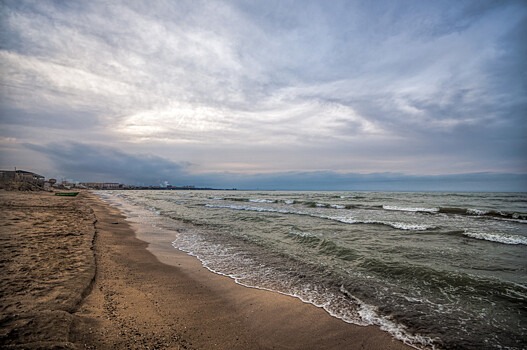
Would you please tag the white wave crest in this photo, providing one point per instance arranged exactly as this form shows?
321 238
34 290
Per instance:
250 208
396 208
258 200
346 220
396 225
494 237
370 316
477 211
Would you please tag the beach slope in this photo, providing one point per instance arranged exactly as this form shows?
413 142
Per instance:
47 265
79 278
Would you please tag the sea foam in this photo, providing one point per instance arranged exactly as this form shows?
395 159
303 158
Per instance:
498 238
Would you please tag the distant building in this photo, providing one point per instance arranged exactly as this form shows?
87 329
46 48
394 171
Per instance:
17 179
102 185
7 175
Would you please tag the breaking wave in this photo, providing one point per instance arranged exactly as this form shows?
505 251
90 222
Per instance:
342 219
498 238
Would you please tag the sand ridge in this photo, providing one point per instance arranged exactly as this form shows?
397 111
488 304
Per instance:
47 265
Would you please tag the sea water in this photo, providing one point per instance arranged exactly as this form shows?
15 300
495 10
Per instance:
436 270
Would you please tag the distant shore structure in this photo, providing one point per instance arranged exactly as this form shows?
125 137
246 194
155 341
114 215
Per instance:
101 185
21 180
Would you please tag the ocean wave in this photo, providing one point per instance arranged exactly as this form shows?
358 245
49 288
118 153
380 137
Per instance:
494 214
397 225
346 220
410 209
255 200
236 199
325 205
494 237
258 200
249 271
302 234
352 197
369 314
335 206
478 212
336 301
251 208
323 245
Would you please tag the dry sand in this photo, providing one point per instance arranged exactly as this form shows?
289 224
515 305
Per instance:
76 276
47 266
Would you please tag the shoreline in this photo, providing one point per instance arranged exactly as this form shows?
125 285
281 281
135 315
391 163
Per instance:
151 294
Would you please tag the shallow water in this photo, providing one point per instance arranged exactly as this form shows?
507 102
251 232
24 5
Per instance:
445 270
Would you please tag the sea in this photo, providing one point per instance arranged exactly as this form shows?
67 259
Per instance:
436 270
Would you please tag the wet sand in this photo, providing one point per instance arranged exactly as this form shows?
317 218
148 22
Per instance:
77 277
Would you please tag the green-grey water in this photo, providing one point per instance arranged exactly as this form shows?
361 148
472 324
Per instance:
444 270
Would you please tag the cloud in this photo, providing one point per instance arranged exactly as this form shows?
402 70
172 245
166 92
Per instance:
271 86
99 163
106 164
348 181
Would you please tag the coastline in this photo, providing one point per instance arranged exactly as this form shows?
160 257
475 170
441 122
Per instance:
154 295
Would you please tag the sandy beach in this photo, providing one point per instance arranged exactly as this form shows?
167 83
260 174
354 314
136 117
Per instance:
75 276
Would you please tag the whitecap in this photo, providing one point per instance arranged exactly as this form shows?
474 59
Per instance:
346 220
477 211
396 225
410 209
498 238
258 200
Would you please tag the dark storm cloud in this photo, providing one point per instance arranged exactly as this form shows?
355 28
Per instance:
331 181
101 163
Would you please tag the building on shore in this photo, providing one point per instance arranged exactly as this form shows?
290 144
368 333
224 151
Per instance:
20 179
102 185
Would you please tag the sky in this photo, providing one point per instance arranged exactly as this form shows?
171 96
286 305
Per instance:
387 95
